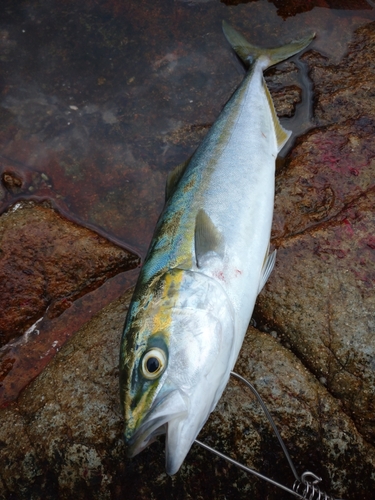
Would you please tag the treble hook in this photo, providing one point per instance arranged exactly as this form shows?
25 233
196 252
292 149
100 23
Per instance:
304 487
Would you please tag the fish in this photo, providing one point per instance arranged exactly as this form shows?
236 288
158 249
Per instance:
208 260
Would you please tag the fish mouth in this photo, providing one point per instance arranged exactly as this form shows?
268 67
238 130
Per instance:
168 408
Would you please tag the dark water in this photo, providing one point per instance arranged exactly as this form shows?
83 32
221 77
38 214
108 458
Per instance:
100 99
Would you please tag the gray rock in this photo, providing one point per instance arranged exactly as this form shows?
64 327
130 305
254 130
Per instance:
63 437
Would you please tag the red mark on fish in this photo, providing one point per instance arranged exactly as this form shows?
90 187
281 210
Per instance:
220 275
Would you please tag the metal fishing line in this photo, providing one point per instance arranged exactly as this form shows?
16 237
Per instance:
304 487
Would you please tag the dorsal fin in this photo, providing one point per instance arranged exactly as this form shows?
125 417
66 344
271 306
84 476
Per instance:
282 135
208 239
174 177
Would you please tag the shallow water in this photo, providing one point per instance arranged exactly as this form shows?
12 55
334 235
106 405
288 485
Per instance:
99 100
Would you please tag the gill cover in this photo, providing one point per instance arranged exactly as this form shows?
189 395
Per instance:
179 371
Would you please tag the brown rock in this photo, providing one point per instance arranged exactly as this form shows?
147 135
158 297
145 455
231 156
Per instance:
294 7
329 168
12 182
65 433
321 298
62 439
285 89
321 295
67 424
345 90
46 262
286 100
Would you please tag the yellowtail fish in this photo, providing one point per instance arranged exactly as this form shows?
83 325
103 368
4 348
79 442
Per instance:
207 262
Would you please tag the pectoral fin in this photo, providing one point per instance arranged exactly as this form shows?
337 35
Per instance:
268 265
208 239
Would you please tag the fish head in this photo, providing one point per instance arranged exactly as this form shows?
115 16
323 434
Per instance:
174 373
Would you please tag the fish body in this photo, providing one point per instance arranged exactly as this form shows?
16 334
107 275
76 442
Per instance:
206 264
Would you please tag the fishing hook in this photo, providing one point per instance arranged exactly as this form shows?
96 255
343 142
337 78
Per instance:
304 487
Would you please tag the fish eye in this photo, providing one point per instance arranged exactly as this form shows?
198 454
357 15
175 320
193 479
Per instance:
154 363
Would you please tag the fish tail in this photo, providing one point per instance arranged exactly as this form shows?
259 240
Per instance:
250 53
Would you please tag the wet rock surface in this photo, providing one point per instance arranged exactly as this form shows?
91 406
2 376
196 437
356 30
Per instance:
313 363
334 338
47 262
321 295
60 423
283 84
294 7
67 427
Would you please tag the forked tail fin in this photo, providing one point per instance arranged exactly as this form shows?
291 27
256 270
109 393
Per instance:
250 53
266 57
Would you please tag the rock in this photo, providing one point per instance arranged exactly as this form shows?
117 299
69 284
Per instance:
46 262
345 90
294 7
65 433
321 294
328 169
321 299
315 371
12 182
283 84
68 423
286 100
